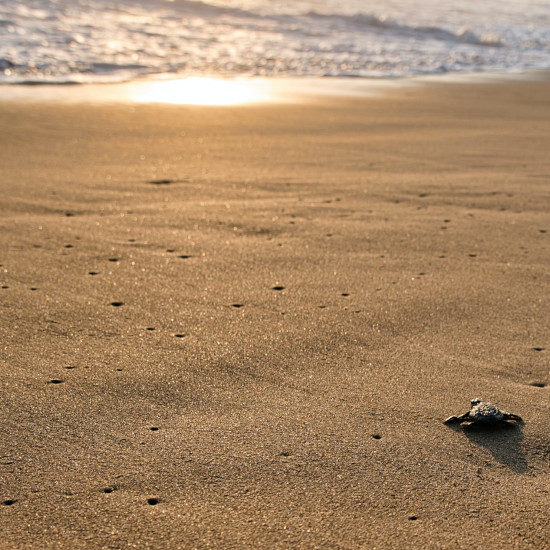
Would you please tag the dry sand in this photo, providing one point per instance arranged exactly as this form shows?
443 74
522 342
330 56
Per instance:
411 236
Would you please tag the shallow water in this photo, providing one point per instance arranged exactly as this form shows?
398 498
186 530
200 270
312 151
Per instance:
104 40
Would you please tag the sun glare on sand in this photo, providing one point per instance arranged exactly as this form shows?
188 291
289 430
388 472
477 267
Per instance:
199 91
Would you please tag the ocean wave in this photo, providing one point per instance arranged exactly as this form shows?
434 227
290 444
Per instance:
98 40
464 36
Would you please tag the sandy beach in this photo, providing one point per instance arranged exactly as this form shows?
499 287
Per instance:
243 326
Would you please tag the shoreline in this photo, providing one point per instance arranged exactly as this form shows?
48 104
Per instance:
243 326
267 90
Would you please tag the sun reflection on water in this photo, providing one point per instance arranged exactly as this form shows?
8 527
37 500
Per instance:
199 91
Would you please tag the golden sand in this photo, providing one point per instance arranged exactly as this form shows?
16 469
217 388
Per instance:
304 294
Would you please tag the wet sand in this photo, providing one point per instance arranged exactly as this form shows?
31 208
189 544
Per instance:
243 326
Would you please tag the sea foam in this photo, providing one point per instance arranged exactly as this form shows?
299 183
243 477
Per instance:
104 40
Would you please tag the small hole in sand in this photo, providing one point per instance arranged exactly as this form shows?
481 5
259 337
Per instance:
70 367
285 453
69 214
68 246
413 518
153 501
154 428
278 287
113 259
5 286
170 250
472 255
9 501
345 293
538 349
33 288
542 230
161 182
119 370
56 381
321 307
92 273
377 436
237 305
184 256
150 328
117 304
537 384
131 240
179 335
108 489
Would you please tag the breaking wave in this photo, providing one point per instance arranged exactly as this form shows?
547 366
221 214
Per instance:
103 40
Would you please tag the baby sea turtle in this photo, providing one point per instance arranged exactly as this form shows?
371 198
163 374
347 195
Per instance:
483 413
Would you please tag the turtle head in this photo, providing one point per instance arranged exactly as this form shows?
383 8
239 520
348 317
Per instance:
475 401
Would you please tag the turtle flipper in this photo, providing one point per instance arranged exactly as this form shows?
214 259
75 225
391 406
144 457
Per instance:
457 419
510 416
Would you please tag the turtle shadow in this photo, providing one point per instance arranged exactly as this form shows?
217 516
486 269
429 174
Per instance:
503 441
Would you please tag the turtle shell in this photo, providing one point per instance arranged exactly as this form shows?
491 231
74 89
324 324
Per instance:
486 412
